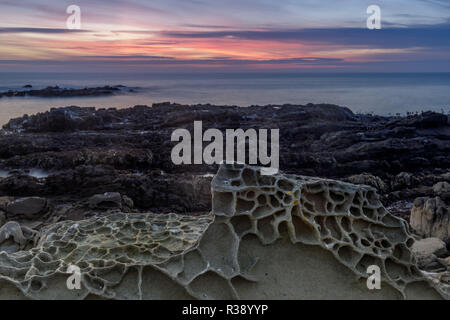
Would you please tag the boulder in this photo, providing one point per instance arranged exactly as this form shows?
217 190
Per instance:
127 202
26 208
369 180
430 217
14 237
403 179
107 200
4 201
429 246
428 119
441 187
427 252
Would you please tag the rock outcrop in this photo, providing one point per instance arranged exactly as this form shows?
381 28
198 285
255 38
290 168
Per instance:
26 208
87 151
83 153
268 237
430 217
442 189
14 237
63 92
106 200
427 252
369 180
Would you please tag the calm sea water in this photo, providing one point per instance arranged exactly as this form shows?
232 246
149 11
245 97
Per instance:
367 93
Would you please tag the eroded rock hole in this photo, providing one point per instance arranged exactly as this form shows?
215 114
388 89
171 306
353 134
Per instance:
249 177
223 203
244 205
303 230
241 224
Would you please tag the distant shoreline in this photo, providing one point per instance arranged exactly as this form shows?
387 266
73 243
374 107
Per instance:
382 94
58 92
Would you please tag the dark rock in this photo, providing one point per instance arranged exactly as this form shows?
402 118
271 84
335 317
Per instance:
127 202
4 201
370 180
27 208
107 200
90 151
2 218
56 91
442 189
429 120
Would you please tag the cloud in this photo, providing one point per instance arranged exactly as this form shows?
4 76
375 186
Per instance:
440 3
127 57
207 26
424 36
155 60
40 30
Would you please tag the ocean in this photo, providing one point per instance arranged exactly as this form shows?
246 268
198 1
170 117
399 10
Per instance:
378 93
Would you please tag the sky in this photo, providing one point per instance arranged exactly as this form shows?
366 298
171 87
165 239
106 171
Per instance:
225 36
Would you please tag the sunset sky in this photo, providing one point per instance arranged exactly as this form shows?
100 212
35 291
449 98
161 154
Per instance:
225 36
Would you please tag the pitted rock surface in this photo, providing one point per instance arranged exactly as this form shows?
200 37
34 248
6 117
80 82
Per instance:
268 237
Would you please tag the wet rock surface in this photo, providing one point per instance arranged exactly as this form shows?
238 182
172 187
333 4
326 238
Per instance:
95 162
81 152
87 151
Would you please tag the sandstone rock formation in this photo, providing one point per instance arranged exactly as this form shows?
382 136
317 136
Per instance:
430 217
345 222
427 252
268 237
14 237
429 246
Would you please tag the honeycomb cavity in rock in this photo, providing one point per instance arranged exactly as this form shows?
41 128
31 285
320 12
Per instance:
268 237
347 221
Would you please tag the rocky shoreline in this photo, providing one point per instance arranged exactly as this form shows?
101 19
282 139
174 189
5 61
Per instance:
266 237
57 92
94 161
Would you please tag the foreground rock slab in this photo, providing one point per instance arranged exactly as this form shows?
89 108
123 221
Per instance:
268 237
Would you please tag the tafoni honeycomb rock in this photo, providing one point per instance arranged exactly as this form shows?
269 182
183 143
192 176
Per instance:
268 237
